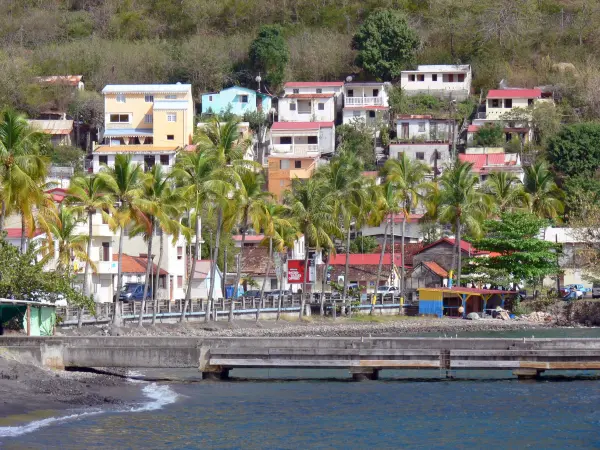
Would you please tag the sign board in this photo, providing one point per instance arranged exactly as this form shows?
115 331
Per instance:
296 271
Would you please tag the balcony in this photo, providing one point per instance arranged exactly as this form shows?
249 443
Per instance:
291 150
364 101
106 267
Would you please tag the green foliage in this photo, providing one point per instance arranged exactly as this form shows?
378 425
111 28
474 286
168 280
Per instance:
575 150
22 277
269 54
67 156
489 135
363 244
524 257
386 44
357 138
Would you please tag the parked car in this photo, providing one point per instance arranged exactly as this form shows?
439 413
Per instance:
252 293
578 287
388 290
571 293
596 290
134 292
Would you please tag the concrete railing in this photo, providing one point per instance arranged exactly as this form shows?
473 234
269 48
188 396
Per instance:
364 101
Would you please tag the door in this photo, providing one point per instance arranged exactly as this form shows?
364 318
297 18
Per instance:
404 134
171 287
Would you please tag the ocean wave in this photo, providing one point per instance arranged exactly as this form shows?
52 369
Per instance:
159 396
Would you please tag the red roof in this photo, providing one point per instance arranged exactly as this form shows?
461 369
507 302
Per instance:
473 128
15 233
364 259
515 93
436 268
249 238
465 246
136 264
325 95
370 173
481 161
301 125
71 80
301 84
467 290
410 249
58 194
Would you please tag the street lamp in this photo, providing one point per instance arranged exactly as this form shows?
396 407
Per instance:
258 79
349 79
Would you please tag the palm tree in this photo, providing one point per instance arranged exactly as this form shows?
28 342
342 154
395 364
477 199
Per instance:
86 194
22 168
313 211
251 205
506 190
161 207
221 141
462 204
407 178
544 198
123 182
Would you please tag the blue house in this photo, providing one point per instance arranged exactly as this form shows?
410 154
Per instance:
238 99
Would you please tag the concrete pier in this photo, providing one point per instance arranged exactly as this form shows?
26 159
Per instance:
364 358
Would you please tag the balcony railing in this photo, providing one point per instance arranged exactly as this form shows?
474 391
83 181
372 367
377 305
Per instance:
294 149
364 101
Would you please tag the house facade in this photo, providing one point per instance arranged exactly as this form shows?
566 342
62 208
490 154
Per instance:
449 81
201 280
145 155
237 100
60 130
367 102
486 163
311 102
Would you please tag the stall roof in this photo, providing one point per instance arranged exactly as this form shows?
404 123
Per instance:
9 301
465 290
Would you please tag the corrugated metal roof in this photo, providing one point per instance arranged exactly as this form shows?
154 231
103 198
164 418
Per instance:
146 88
71 80
300 84
515 93
133 149
124 132
301 125
52 126
325 95
170 104
436 268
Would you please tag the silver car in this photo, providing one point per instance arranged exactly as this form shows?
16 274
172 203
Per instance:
596 290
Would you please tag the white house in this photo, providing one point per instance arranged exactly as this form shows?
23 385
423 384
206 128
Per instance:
144 155
450 81
486 163
302 139
364 100
501 101
201 280
310 101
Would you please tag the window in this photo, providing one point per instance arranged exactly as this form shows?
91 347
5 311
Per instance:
170 137
297 164
106 251
149 161
319 91
164 160
162 282
420 156
296 91
356 113
121 98
372 114
172 117
103 159
285 140
350 92
180 252
148 118
281 183
434 77
421 127
244 99
461 77
171 97
530 101
451 78
313 139
179 281
411 77
508 102
495 103
273 284
420 77
119 118
149 98
210 98
321 106
284 164
292 106
375 92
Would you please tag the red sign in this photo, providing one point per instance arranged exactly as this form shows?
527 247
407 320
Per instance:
295 271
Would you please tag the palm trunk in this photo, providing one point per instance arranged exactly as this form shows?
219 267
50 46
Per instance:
157 279
149 265
402 279
238 275
188 291
238 269
387 224
213 267
323 281
117 319
279 299
346 269
262 289
23 238
305 277
2 216
458 252
86 274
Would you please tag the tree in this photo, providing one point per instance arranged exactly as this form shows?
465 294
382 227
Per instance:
506 190
312 210
407 178
123 182
489 135
544 198
575 150
363 244
357 138
462 205
269 54
522 255
86 195
386 44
